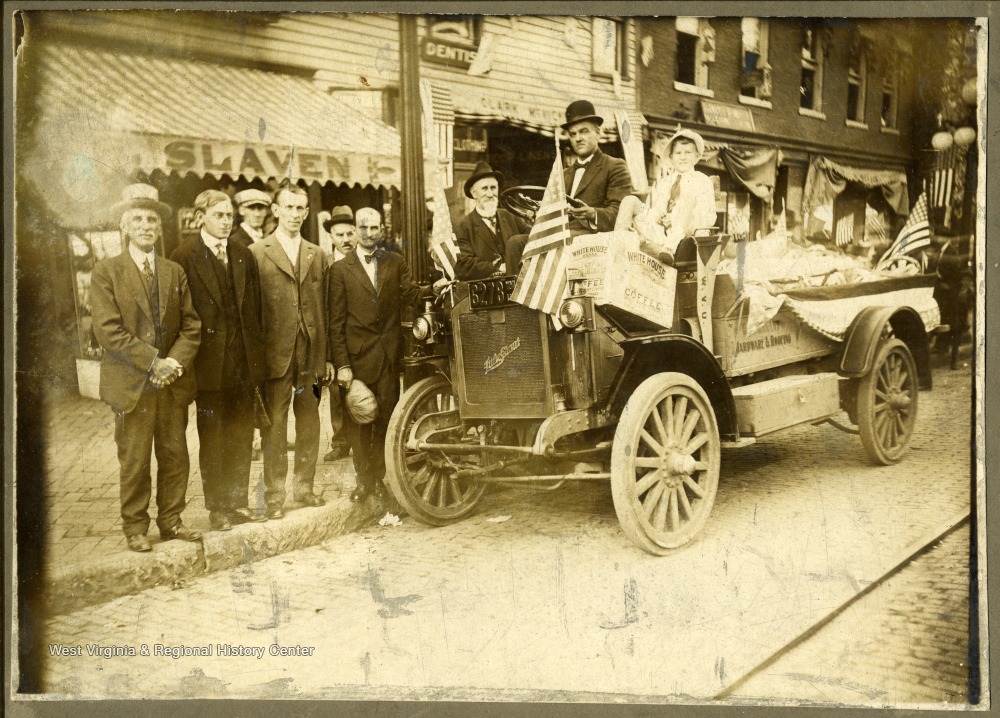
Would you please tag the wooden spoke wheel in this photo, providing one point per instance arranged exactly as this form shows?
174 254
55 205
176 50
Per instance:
665 462
887 403
424 482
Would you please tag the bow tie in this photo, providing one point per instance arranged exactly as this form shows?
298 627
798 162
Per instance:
581 165
377 254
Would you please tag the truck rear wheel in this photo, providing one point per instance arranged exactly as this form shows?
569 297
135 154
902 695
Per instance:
423 482
887 403
665 462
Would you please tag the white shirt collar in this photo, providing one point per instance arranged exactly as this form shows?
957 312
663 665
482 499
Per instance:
586 161
255 234
140 257
213 242
486 216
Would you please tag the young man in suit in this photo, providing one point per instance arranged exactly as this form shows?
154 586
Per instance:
343 239
229 366
595 182
483 233
145 322
252 205
293 283
368 288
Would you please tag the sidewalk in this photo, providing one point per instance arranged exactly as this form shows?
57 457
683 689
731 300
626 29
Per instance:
86 555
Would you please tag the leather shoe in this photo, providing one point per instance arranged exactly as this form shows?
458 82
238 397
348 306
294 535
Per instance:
182 532
244 516
219 521
138 542
380 491
337 452
311 500
275 512
359 494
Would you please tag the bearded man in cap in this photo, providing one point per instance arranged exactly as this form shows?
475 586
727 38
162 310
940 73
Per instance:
229 366
483 233
146 324
252 205
595 183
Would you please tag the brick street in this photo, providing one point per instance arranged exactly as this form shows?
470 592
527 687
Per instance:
554 603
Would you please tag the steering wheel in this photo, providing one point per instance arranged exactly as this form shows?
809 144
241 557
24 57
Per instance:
523 200
900 265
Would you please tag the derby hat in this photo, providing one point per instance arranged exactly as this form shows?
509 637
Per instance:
482 170
698 140
581 111
361 402
253 197
141 196
341 215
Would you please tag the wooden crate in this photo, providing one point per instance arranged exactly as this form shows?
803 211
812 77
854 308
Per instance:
780 403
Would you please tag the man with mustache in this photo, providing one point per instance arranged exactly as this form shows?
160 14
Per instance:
483 233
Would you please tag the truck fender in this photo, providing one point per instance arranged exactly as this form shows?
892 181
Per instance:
862 338
645 356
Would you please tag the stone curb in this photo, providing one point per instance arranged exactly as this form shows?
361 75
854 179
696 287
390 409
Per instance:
78 586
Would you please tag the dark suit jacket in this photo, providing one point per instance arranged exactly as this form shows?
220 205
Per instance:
206 295
123 324
478 246
365 326
240 236
605 183
280 302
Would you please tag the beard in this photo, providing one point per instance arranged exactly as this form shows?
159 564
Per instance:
488 207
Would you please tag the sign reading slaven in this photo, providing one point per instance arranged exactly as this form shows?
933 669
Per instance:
732 117
445 52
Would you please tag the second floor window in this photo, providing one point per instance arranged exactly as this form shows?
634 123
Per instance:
890 98
755 76
695 51
811 82
857 78
608 47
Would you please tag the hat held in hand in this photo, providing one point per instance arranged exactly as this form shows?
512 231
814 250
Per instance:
361 403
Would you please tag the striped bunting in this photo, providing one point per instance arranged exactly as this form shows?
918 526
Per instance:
943 178
915 234
541 283
845 230
442 244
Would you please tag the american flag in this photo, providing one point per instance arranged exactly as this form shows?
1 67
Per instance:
442 245
943 178
915 234
845 230
541 283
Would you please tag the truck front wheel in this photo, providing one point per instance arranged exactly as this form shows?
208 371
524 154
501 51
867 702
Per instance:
665 462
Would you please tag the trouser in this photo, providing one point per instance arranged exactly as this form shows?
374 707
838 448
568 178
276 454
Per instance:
368 440
158 422
302 394
225 433
337 437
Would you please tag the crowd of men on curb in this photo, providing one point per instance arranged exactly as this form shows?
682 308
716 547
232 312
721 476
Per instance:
250 327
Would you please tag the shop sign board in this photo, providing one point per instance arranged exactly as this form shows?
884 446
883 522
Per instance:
471 143
447 52
723 114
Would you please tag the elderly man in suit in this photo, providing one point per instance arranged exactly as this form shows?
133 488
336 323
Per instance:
293 283
229 366
367 290
343 238
145 322
483 233
252 205
595 183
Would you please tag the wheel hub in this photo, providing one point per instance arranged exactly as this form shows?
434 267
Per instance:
675 465
899 400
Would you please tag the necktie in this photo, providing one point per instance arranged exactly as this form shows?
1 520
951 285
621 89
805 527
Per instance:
492 222
147 273
369 258
220 252
675 192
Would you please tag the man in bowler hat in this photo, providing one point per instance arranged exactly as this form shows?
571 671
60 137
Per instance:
145 322
483 233
595 183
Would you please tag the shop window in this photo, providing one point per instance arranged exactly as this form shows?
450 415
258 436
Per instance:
857 80
695 53
890 97
608 43
811 78
755 75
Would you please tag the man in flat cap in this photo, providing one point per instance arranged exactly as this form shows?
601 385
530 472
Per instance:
343 240
145 322
595 183
483 233
252 205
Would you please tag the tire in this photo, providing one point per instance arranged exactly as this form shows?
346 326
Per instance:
887 403
424 485
665 462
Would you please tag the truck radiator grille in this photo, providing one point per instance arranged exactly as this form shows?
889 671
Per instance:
503 361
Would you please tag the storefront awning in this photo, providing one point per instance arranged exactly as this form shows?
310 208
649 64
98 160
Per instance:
102 116
827 179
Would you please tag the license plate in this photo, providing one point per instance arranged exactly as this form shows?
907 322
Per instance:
491 293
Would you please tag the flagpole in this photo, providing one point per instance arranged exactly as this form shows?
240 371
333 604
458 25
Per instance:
561 180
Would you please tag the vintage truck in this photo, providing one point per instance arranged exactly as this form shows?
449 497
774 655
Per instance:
645 391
